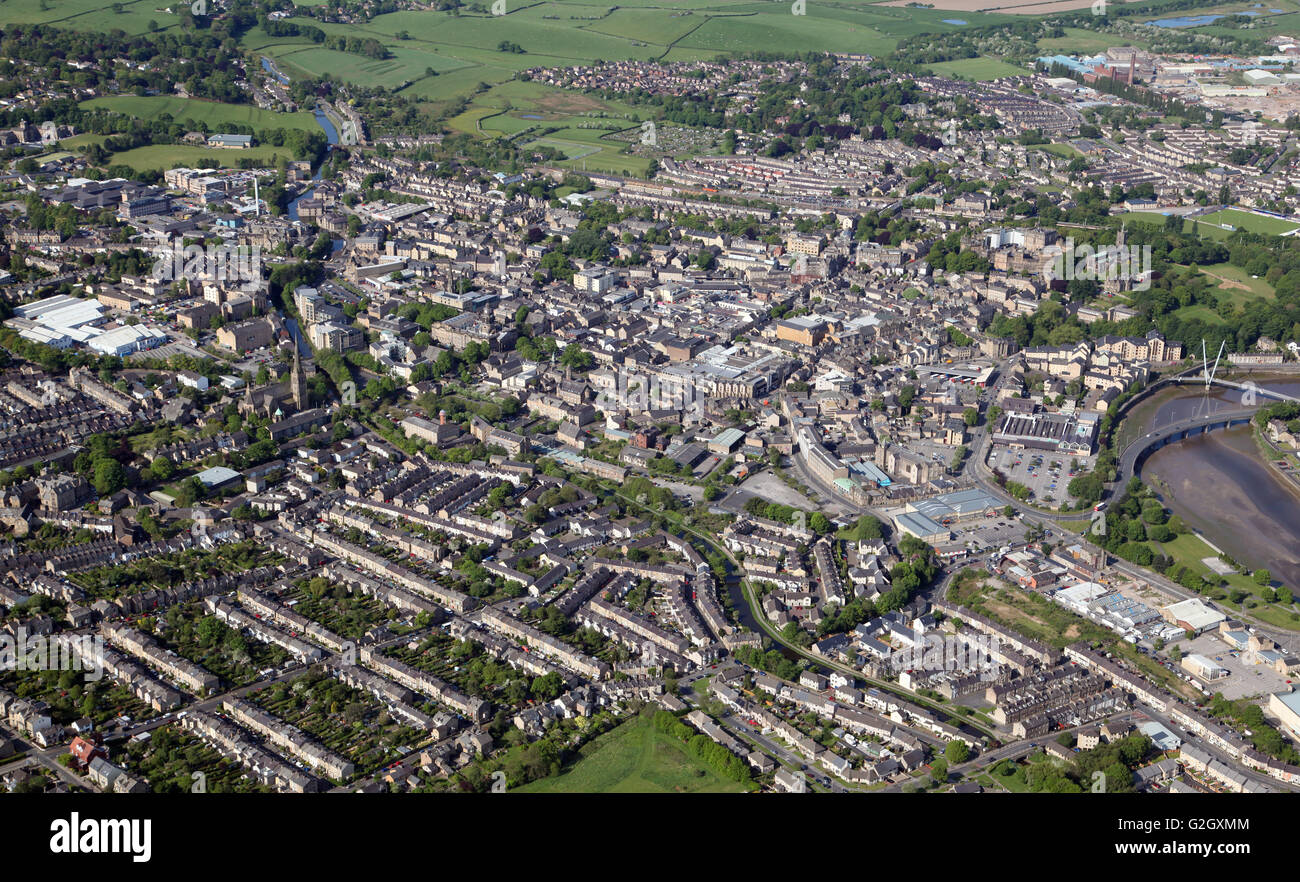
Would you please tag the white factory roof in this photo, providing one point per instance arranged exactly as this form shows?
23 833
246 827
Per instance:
85 312
1195 613
136 336
40 307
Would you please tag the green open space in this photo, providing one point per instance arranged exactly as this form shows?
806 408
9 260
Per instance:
977 69
1250 222
134 16
213 114
165 156
1213 225
635 758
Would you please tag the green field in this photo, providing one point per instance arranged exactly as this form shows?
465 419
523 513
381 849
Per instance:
213 114
635 758
164 156
1209 225
88 15
1190 550
977 69
77 141
442 58
1078 40
516 108
588 149
1068 151
1254 223
1237 284
463 49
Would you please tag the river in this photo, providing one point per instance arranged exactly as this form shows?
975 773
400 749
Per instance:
331 135
1220 484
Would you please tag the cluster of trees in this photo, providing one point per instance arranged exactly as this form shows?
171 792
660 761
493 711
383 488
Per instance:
871 227
1108 768
1249 717
425 314
1286 411
704 748
947 253
854 613
282 28
522 764
100 464
202 60
771 661
645 492
866 529
51 217
918 567
788 514
1133 519
367 46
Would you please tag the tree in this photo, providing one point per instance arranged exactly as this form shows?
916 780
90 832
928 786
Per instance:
109 478
1262 577
866 529
971 415
574 356
939 770
819 523
957 752
163 468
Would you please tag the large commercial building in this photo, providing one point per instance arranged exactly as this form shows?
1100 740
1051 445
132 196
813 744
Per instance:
958 506
1064 433
805 330
246 336
1286 705
1192 615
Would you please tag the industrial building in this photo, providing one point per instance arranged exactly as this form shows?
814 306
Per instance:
1206 668
1192 615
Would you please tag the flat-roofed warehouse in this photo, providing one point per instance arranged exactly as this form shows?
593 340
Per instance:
1048 431
62 312
1192 615
961 505
1286 705
967 374
921 526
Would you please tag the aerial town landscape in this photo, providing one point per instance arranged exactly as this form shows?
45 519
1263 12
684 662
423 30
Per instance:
715 396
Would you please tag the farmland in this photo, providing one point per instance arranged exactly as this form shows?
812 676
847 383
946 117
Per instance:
464 50
440 59
88 15
577 125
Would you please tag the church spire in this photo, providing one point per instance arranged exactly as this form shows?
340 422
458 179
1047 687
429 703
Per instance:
298 381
